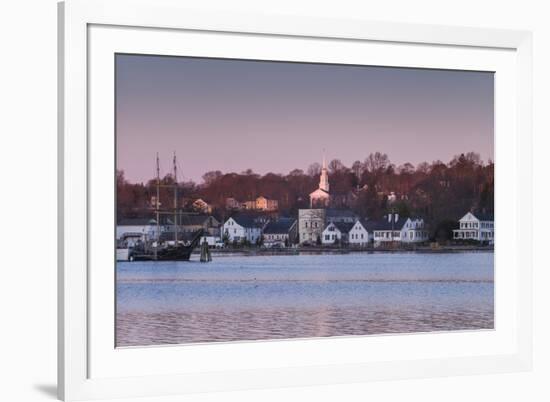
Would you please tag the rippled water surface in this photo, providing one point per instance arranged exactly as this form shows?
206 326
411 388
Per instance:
274 297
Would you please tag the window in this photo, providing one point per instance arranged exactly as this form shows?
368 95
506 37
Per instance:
361 235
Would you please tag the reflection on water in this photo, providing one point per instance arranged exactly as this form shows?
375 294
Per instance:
275 297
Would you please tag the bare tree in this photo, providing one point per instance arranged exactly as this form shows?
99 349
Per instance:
314 169
357 169
336 165
377 162
211 177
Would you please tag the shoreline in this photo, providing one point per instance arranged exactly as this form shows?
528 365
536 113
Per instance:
323 250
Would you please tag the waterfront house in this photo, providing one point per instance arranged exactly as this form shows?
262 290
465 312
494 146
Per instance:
136 228
336 232
280 232
240 228
190 223
396 229
361 233
311 223
476 226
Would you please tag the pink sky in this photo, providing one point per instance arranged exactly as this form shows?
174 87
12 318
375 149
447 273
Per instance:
231 115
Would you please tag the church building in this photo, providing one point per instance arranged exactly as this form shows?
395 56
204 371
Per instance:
320 198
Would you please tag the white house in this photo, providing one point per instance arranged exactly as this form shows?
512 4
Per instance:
336 232
479 227
280 233
359 234
242 227
414 231
143 228
403 230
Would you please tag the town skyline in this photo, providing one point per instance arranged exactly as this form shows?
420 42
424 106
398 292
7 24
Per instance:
166 168
274 117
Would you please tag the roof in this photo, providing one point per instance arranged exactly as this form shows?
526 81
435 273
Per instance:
369 225
136 222
193 220
331 212
282 225
247 221
344 227
317 190
483 216
383 224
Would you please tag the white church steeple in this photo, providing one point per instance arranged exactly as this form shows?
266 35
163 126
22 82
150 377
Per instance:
323 180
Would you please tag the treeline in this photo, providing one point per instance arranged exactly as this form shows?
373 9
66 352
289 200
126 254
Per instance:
438 191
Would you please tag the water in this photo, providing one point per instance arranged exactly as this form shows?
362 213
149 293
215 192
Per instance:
278 297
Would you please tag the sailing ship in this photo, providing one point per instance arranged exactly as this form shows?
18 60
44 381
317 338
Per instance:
166 250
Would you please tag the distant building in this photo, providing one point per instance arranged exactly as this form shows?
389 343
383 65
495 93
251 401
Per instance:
336 232
320 198
137 228
242 227
249 205
265 204
340 215
202 206
396 229
191 223
277 233
232 203
361 233
311 223
479 227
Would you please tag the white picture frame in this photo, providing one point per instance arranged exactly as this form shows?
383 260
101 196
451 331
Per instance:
89 365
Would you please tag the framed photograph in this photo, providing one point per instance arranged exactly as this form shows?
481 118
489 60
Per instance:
251 201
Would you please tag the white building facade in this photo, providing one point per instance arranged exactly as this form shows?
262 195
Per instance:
280 233
402 230
331 234
359 236
336 233
311 223
144 228
241 229
478 227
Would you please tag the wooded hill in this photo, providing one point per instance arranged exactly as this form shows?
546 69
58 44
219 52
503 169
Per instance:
439 192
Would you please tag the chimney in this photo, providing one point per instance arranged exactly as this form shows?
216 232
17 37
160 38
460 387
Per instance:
396 217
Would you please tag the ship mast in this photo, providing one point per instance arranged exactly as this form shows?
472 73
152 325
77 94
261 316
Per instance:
157 205
175 201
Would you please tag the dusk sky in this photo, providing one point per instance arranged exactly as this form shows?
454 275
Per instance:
231 115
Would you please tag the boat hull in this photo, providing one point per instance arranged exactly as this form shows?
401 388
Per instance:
169 254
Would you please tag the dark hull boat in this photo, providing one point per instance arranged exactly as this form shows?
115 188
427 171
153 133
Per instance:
169 253
169 245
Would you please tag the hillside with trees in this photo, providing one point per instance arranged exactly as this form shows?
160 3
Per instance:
439 192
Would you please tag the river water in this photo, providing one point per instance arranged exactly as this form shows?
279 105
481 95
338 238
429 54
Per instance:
277 297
